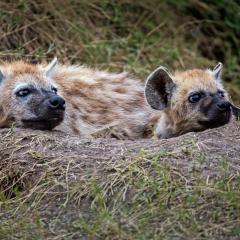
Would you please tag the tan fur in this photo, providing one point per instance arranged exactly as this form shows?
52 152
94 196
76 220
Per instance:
180 117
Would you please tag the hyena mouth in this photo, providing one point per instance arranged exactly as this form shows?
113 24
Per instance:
42 124
216 122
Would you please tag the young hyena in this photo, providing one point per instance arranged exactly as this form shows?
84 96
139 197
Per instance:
79 100
192 100
74 99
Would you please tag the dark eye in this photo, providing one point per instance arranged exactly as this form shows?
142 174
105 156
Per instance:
23 93
221 93
194 97
54 90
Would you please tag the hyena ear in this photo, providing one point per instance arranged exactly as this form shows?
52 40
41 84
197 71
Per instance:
50 67
217 71
159 88
1 77
236 112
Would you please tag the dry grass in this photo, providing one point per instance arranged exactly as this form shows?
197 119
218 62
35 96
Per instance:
129 35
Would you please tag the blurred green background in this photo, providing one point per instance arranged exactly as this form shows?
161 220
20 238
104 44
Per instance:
136 36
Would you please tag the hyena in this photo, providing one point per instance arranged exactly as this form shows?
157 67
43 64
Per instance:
79 100
72 99
192 100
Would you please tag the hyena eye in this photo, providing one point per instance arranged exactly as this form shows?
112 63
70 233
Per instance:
54 90
221 93
194 97
23 92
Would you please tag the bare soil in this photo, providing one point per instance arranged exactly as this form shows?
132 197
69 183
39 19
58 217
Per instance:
49 180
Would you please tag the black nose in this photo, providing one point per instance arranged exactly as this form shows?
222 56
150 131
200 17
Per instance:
57 102
224 106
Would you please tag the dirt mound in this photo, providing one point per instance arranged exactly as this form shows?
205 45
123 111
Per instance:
57 186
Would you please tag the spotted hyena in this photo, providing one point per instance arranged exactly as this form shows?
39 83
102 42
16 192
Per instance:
79 100
192 100
73 99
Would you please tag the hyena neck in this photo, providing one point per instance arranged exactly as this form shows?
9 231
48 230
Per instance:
166 127
171 124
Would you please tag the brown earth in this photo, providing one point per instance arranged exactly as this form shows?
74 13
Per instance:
50 175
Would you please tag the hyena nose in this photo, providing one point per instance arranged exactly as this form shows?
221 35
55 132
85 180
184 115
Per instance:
56 103
224 106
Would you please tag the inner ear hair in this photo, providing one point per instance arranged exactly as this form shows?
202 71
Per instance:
159 88
217 71
51 66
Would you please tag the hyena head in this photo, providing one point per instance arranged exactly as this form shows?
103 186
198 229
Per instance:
192 100
28 96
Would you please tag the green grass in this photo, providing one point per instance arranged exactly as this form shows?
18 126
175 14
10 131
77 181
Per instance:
125 35
163 204
143 199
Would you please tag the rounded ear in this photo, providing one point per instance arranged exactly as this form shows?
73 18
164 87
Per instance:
236 111
50 67
159 88
217 71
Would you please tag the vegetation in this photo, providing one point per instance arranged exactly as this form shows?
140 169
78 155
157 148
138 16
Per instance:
136 36
61 187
